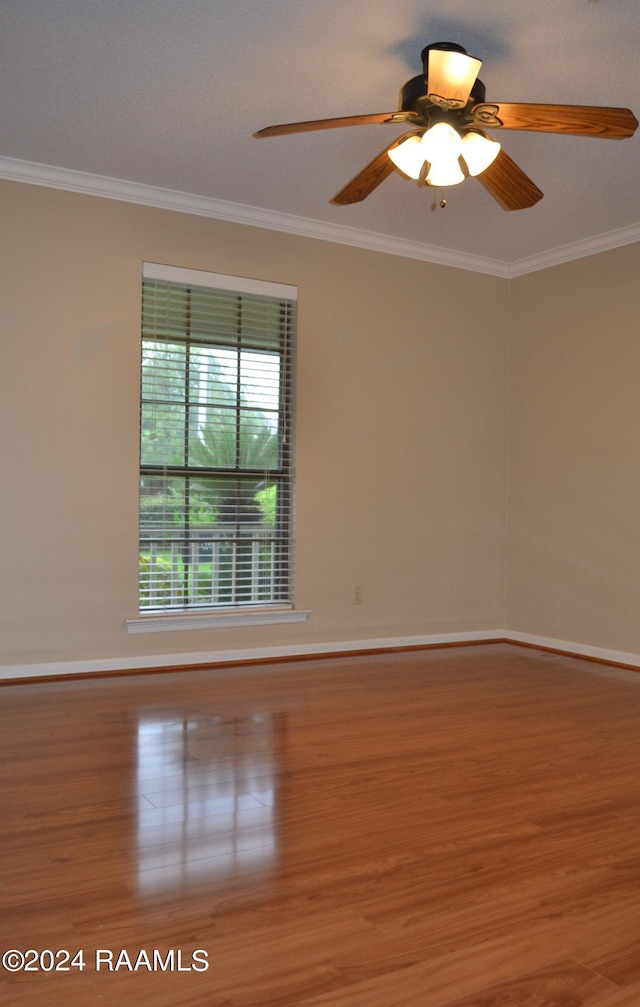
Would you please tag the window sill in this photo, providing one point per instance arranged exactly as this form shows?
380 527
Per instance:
179 622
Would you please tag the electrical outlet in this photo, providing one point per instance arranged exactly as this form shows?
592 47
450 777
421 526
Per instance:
358 594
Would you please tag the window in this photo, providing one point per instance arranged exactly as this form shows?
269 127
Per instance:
215 442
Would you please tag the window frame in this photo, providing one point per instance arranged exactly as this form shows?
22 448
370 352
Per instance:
279 608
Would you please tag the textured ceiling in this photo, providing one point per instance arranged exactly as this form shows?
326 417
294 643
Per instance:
168 94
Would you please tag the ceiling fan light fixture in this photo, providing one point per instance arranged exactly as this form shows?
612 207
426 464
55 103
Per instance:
408 156
445 171
441 141
442 146
451 76
479 152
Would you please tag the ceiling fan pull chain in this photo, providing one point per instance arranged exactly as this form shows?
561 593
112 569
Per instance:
441 204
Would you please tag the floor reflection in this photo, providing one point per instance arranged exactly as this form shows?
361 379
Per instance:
208 789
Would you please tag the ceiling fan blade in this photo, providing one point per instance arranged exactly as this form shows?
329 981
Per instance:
371 176
349 120
450 77
576 120
508 184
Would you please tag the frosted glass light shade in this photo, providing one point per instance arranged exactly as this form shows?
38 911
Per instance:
479 152
441 141
408 156
445 171
451 75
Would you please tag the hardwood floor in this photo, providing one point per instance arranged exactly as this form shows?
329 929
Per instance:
454 827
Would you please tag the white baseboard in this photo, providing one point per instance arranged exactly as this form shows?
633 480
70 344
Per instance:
221 657
217 657
575 649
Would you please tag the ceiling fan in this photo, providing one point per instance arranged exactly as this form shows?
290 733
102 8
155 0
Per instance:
447 109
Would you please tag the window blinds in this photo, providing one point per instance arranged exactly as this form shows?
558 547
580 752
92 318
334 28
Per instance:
215 441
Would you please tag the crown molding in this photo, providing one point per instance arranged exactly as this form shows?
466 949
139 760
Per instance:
576 250
89 184
204 206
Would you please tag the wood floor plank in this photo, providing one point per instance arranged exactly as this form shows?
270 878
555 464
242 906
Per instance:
628 997
561 984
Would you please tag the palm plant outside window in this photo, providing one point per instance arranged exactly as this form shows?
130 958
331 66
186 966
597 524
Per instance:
215 441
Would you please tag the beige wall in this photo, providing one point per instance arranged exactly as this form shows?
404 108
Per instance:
401 431
574 458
